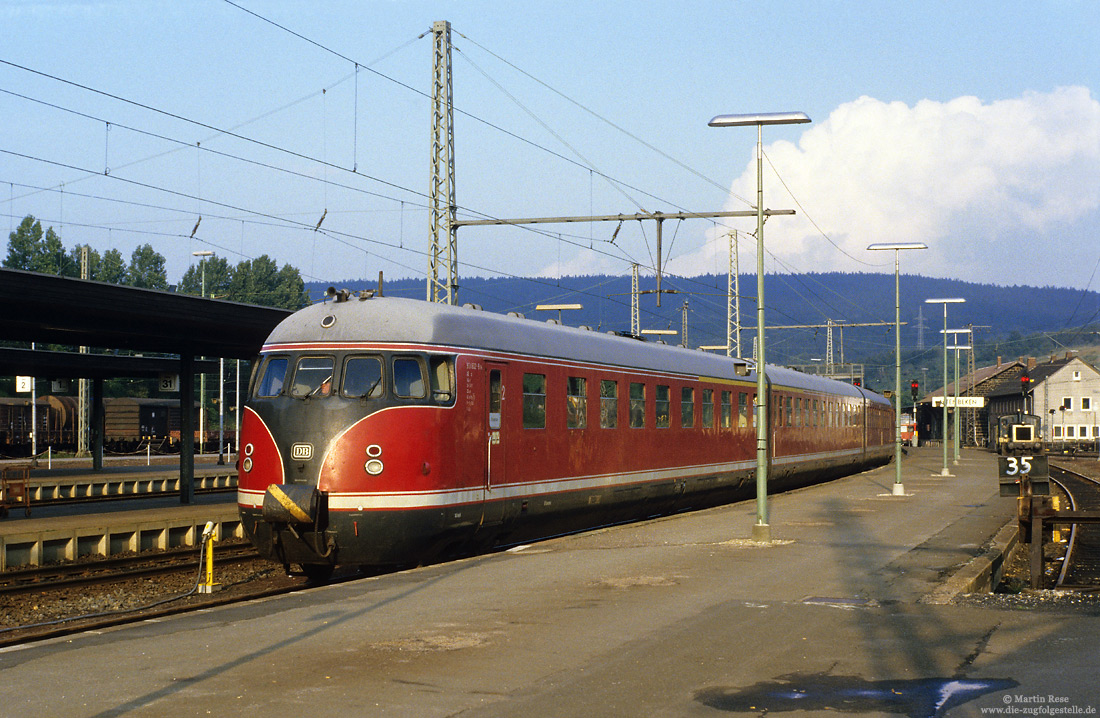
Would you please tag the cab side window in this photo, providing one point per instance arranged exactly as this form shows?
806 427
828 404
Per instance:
271 383
441 375
408 378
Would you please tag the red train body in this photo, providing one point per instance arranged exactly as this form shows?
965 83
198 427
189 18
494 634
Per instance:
385 431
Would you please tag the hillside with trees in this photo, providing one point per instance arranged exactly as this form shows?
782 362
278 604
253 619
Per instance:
1008 321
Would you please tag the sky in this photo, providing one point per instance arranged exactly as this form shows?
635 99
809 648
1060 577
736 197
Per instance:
301 130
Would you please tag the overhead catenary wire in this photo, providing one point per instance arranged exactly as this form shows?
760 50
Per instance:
239 136
354 163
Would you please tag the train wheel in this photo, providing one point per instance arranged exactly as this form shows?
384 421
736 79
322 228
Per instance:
318 572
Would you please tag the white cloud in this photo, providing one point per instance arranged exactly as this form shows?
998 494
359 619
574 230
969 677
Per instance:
1005 192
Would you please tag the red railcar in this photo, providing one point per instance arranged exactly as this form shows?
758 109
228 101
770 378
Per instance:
390 431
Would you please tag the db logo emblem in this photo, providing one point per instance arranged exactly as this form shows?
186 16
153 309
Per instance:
301 452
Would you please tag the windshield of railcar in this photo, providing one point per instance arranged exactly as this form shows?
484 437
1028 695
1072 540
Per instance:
405 378
312 377
363 377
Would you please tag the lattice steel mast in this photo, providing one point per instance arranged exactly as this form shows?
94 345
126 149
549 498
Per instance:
442 260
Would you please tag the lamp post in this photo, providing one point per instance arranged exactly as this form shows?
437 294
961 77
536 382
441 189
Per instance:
957 347
761 531
202 254
899 488
944 302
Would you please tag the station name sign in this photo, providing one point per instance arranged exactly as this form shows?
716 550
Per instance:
962 402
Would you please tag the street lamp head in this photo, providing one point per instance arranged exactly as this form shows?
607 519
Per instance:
898 245
763 118
944 301
202 253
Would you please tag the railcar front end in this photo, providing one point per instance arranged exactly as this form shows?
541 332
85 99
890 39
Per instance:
336 442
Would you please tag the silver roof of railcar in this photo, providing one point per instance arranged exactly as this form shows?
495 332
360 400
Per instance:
394 319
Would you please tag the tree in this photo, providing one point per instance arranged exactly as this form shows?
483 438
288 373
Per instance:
24 244
261 281
31 250
54 259
112 268
147 269
218 275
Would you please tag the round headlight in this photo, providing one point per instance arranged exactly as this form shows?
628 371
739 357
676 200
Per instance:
248 449
247 463
373 467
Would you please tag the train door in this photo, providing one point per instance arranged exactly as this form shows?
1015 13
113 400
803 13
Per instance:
495 445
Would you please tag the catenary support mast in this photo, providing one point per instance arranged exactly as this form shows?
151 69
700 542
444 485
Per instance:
443 255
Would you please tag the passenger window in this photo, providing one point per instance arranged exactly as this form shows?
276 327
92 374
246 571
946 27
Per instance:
534 401
662 406
274 375
609 404
442 377
708 408
577 400
727 409
637 405
408 378
687 407
312 377
363 378
743 410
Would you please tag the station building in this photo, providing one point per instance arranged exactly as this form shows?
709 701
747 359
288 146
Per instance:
1063 391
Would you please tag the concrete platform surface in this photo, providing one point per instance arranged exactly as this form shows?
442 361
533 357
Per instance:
679 616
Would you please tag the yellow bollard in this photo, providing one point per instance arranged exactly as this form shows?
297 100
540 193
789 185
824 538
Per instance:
1056 533
207 585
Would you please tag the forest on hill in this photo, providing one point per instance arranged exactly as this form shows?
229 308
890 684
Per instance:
1008 321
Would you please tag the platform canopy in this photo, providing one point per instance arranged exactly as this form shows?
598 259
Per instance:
60 310
47 309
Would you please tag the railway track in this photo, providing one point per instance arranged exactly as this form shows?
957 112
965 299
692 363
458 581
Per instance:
114 569
56 601
1081 567
61 605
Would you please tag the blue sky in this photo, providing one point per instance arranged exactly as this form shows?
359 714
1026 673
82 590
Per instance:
973 127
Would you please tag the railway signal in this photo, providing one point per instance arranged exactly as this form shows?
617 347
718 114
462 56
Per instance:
914 387
1025 383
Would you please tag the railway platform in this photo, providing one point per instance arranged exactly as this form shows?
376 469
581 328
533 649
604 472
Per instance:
848 611
73 479
67 533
